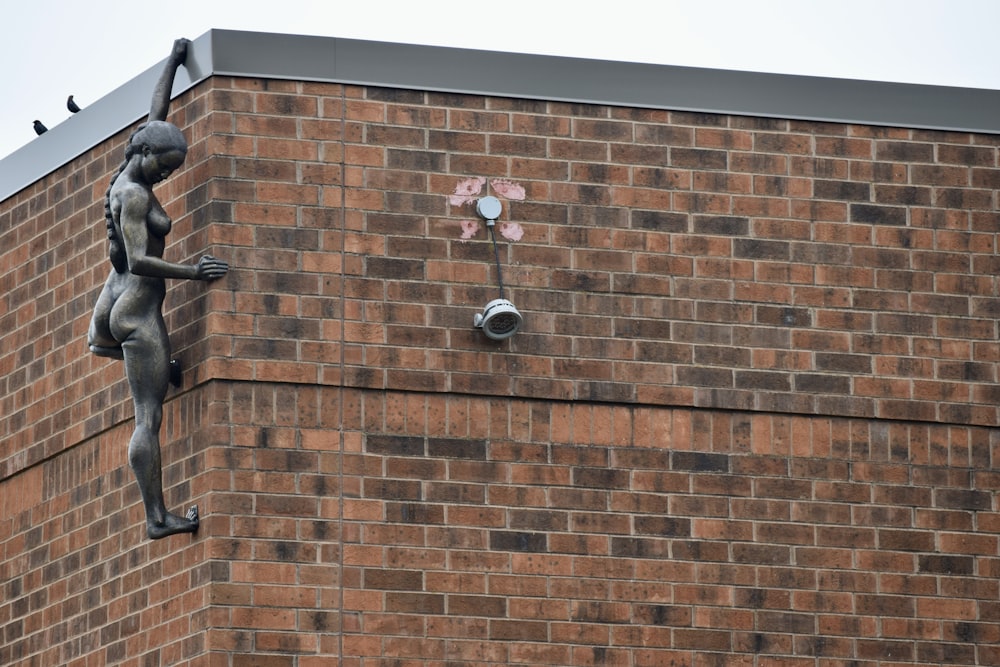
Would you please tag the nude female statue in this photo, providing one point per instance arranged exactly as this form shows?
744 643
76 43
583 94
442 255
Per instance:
128 319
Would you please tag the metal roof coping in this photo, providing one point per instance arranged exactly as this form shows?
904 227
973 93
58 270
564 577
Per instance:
553 78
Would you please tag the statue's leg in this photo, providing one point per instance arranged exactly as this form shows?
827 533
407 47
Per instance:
147 366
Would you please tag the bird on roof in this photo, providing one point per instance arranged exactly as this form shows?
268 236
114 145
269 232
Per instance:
71 105
40 128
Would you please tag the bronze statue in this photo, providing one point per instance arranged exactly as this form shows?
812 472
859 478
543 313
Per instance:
128 319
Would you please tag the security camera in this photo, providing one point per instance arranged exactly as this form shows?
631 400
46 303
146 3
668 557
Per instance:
499 319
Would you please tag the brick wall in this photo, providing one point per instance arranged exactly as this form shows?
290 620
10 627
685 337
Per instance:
751 415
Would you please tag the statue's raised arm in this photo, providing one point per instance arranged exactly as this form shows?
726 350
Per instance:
161 94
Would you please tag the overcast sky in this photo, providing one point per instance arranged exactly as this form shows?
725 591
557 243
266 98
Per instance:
53 48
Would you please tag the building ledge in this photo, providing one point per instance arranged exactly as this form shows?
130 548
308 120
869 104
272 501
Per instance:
442 69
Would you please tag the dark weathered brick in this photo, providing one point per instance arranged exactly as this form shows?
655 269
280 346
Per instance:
660 220
699 462
846 190
501 540
728 225
395 445
951 565
457 448
963 499
878 215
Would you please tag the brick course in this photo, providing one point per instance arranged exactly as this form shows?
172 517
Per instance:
751 416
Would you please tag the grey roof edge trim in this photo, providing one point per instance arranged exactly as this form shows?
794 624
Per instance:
553 78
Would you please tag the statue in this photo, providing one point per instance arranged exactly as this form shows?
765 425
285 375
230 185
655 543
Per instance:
128 320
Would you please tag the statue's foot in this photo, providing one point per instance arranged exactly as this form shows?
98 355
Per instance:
174 524
175 372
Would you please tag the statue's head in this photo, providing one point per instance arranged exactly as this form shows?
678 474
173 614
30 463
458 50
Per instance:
161 148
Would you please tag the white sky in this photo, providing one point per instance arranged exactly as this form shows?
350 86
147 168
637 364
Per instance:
53 48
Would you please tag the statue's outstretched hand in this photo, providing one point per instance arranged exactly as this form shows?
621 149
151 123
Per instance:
179 53
210 268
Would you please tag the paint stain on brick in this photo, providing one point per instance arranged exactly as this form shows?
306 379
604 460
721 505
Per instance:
508 189
511 231
467 190
470 228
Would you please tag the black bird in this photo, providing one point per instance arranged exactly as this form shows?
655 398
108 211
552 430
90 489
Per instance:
71 105
39 128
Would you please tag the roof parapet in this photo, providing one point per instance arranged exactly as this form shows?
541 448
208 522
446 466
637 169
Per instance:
554 78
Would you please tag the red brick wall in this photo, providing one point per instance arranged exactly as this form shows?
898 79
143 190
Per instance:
752 412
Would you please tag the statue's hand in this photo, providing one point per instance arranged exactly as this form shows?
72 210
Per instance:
210 268
179 53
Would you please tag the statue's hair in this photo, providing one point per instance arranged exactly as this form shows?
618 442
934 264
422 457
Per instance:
159 136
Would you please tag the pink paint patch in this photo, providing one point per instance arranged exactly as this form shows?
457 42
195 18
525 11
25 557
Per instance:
467 190
469 229
511 231
508 189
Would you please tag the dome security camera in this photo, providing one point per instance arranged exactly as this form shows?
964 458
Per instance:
499 319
